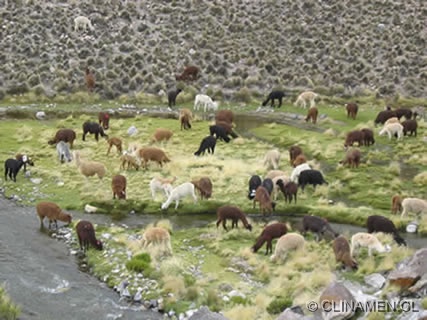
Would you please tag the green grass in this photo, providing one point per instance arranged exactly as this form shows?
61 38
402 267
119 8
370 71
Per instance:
8 310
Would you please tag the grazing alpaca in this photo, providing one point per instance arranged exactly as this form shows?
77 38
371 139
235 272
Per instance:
363 239
118 185
392 120
26 159
157 236
172 97
206 102
383 116
225 115
272 159
354 136
414 205
274 95
312 114
53 212
234 214
82 22
114 142
185 122
161 184
189 73
12 167
204 185
270 232
352 158
342 252
254 182
378 223
286 243
313 177
300 159
297 171
86 235
208 143
93 128
129 160
104 120
180 192
352 109
392 129
161 134
319 226
410 127
368 136
152 154
89 80
274 173
266 206
289 190
396 204
63 151
219 132
66 135
268 184
403 112
307 96
89 168
228 127
294 151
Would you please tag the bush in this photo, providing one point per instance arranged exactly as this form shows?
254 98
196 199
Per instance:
279 304
8 310
140 263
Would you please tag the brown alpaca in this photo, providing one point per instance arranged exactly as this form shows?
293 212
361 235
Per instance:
204 185
263 197
66 135
153 154
312 115
234 214
53 212
118 185
225 115
294 151
189 73
342 252
354 136
396 204
270 232
352 109
185 122
352 158
130 161
90 80
300 159
161 134
114 142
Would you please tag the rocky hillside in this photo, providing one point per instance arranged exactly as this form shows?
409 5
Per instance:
241 46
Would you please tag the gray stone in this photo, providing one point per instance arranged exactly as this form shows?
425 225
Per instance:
41 115
205 314
331 297
132 131
290 314
375 280
406 275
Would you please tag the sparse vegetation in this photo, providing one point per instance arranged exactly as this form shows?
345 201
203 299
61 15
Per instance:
8 310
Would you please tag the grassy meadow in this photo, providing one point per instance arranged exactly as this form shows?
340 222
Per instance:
208 262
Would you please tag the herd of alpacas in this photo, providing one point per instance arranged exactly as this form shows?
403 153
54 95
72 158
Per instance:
262 190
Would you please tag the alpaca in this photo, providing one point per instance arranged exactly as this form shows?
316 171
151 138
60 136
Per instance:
206 102
352 158
208 143
396 204
312 115
114 142
104 120
254 182
63 151
313 177
82 22
162 184
93 128
118 185
153 154
204 185
362 239
343 253
161 134
263 197
352 109
90 80
392 129
307 96
286 243
272 159
172 97
317 225
289 190
53 212
189 73
376 223
86 235
294 151
270 232
234 214
297 171
274 95
89 168
66 135
414 205
180 192
157 236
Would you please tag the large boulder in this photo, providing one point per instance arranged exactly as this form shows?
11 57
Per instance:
331 302
407 274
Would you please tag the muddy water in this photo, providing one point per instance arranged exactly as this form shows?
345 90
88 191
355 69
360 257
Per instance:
40 275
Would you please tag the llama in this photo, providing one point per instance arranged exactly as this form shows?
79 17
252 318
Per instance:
189 73
413 205
63 151
204 185
307 96
172 94
157 236
118 185
86 235
352 109
82 22
363 239
234 214
274 95
263 197
89 168
208 143
392 129
114 142
90 80
66 135
289 190
297 171
342 252
53 212
152 154
270 232
286 243
312 115
206 102
93 128
161 184
376 223
254 182
272 159
183 190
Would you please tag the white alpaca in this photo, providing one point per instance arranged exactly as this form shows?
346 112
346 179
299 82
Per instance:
164 185
392 120
414 205
180 192
206 102
297 170
272 159
391 129
307 96
286 243
274 173
82 22
363 239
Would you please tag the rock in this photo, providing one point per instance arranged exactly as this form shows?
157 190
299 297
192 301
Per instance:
90 209
132 131
36 180
412 227
40 115
375 280
235 293
138 295
205 314
336 292
290 314
408 274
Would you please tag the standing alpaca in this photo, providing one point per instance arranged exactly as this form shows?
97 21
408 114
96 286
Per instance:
392 129
83 23
363 239
114 142
162 184
93 128
274 95
352 109
86 235
270 232
208 143
294 151
272 159
307 96
90 80
118 185
172 97
312 115
63 151
254 182
180 192
234 214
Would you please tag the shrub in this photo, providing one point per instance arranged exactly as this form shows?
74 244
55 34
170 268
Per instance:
8 310
140 263
279 304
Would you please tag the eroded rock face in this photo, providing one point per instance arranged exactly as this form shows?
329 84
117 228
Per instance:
406 275
330 302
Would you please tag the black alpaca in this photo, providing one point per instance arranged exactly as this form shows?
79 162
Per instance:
277 94
172 97
254 182
219 132
12 167
268 184
207 143
93 128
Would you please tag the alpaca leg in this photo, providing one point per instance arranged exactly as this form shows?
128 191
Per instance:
223 224
280 103
176 204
